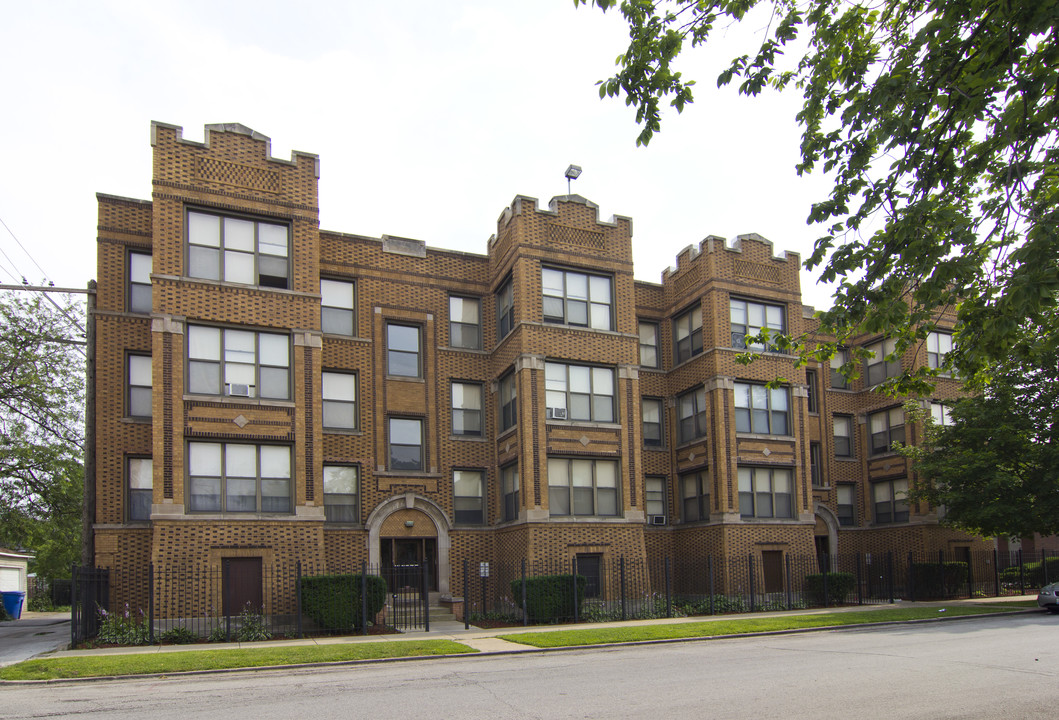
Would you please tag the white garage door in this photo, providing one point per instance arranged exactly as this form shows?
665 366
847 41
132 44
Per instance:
9 579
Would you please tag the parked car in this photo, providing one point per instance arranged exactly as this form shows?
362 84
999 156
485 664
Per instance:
1048 597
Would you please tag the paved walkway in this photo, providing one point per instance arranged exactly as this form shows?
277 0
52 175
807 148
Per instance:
486 640
35 633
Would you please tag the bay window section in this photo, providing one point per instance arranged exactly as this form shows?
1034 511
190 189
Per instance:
750 318
890 498
239 478
691 407
341 490
761 410
579 392
765 493
238 250
574 298
583 487
238 363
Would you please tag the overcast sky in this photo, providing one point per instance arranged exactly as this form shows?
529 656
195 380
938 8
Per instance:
428 117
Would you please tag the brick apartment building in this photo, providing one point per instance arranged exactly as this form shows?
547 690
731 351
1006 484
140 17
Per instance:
268 392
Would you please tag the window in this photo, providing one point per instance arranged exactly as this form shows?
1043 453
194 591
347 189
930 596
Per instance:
402 350
843 436
406 444
891 500
509 490
655 489
840 358
466 408
508 396
938 346
574 298
812 391
940 414
590 567
340 400
505 309
583 487
141 482
138 402
695 496
337 315
468 494
233 477
239 363
341 486
877 368
765 493
886 428
845 512
465 326
750 318
578 392
815 464
139 299
687 334
648 344
238 250
691 407
761 410
652 421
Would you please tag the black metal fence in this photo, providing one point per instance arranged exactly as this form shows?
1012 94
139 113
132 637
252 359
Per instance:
305 599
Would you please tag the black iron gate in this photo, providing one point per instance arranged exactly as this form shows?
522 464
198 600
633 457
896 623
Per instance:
89 593
408 603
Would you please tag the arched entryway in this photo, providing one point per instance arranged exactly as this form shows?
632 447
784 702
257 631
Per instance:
826 533
410 528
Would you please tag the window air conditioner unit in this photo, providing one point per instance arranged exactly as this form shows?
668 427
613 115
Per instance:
557 413
238 390
658 519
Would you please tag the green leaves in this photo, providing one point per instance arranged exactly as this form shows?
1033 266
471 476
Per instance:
939 120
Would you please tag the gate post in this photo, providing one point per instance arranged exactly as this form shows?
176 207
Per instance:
787 557
364 598
669 592
525 610
709 567
150 603
750 573
424 576
573 564
466 600
623 616
860 590
298 594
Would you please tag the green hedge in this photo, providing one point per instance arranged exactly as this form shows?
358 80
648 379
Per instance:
333 601
838 587
1034 573
938 580
550 598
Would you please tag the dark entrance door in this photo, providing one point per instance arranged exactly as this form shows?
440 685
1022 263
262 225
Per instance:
772 568
591 567
403 557
242 584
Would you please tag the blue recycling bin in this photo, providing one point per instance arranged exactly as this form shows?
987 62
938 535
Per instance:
13 601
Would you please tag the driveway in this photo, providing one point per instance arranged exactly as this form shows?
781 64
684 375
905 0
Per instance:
33 634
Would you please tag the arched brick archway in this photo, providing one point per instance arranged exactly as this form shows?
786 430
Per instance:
411 507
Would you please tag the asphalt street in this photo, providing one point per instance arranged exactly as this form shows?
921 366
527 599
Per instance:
31 635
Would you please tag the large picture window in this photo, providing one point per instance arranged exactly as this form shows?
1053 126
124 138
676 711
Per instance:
574 298
468 490
687 334
240 363
235 477
341 491
695 496
691 408
139 292
466 408
340 400
583 487
141 481
759 409
406 444
337 307
891 501
579 392
138 402
403 354
765 493
750 318
887 427
465 322
238 250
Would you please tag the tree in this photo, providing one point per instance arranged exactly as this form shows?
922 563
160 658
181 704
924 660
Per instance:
995 468
42 367
938 120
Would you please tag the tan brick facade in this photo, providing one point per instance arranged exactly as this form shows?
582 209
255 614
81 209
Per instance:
558 320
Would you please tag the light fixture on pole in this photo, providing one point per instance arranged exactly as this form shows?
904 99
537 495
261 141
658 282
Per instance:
572 173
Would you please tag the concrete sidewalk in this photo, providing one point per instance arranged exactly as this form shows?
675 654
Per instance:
486 640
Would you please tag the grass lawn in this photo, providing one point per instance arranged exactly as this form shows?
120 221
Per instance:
737 625
224 659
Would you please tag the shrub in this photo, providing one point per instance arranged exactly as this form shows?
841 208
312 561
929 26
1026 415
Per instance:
177 636
550 598
838 587
333 601
934 580
1033 572
40 603
252 626
123 628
